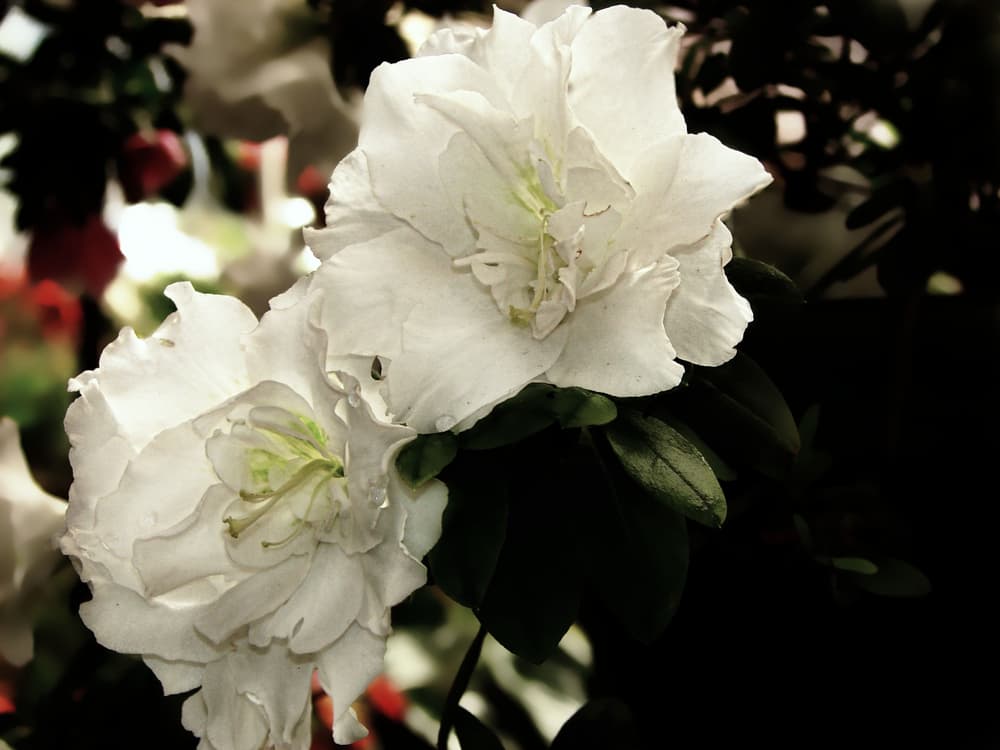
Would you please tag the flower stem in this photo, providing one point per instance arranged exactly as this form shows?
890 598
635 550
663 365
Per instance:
458 686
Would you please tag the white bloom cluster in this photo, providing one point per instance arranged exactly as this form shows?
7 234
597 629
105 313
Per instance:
238 517
525 205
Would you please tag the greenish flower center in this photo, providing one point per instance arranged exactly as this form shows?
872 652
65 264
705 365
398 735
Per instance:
289 467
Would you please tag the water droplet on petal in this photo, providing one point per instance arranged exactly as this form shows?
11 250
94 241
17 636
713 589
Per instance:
148 520
377 491
354 397
445 422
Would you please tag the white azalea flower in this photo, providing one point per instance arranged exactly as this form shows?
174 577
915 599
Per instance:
30 519
525 204
261 68
238 517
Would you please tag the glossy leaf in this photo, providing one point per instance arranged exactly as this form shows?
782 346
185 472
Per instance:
474 526
535 591
758 281
895 578
639 561
740 412
424 458
536 407
668 467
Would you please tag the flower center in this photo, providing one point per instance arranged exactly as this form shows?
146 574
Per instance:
288 477
545 248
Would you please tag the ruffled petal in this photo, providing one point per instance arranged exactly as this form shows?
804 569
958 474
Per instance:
461 354
345 670
424 508
153 496
252 598
622 82
710 179
126 622
705 317
353 213
617 344
175 676
184 369
395 124
323 607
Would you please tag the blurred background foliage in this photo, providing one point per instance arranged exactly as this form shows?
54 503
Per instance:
846 601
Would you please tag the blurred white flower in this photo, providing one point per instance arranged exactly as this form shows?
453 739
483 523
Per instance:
238 517
261 68
526 204
30 519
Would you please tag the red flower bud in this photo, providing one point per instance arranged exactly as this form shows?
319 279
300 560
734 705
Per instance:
80 257
149 162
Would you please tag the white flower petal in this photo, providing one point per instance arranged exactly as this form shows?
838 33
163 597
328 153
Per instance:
622 82
323 607
97 452
542 90
152 495
623 360
252 599
423 515
411 188
175 676
194 551
499 49
30 518
370 288
439 378
345 670
124 621
709 180
181 370
705 317
277 681
231 720
353 213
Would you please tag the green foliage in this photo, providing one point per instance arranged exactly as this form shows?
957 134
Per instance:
668 467
640 561
740 412
533 409
424 458
474 528
534 594
761 283
895 578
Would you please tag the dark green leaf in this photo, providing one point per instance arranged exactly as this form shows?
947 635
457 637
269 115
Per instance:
737 410
424 458
758 281
723 471
535 591
602 724
895 578
640 554
858 565
473 734
576 407
515 419
472 532
667 466
536 407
